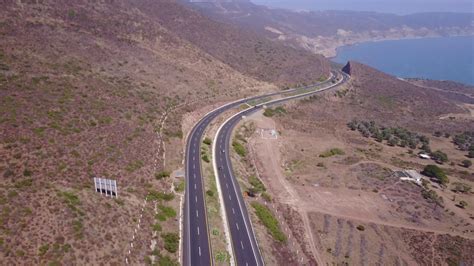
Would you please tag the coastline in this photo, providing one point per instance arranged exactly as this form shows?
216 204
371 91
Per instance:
337 48
419 57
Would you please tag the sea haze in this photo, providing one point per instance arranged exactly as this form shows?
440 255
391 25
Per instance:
447 58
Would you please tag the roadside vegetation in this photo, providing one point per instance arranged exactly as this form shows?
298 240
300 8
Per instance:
171 241
162 174
269 112
205 153
239 148
269 221
256 186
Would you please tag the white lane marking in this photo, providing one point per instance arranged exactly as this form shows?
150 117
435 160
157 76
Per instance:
233 211
194 158
242 244
196 198
199 251
226 185
194 166
194 176
236 224
195 186
197 213
198 230
230 198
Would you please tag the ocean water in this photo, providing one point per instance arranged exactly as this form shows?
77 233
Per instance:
446 58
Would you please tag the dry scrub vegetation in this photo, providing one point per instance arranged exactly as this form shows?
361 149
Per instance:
85 88
344 183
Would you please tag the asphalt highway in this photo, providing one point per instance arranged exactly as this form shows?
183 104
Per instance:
196 244
244 244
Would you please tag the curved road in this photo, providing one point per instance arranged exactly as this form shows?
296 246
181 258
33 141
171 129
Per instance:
243 239
196 244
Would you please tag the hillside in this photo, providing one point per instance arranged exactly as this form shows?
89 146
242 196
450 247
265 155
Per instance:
379 96
331 165
242 49
91 88
323 31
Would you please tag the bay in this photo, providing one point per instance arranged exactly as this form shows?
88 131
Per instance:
445 58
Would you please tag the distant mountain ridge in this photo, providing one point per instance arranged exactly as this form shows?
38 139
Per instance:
324 31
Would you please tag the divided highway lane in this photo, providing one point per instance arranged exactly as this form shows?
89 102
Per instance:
244 244
196 245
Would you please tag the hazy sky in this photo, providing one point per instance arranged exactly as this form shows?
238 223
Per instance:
390 6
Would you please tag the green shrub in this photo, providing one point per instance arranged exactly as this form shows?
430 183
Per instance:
207 141
331 152
23 183
239 148
269 112
166 261
461 187
157 227
162 174
437 173
70 198
171 241
161 217
269 221
180 187
43 249
77 226
431 195
205 158
439 156
168 211
155 195
257 184
266 197
210 193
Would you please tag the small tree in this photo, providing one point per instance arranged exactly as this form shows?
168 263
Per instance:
466 163
439 156
437 173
